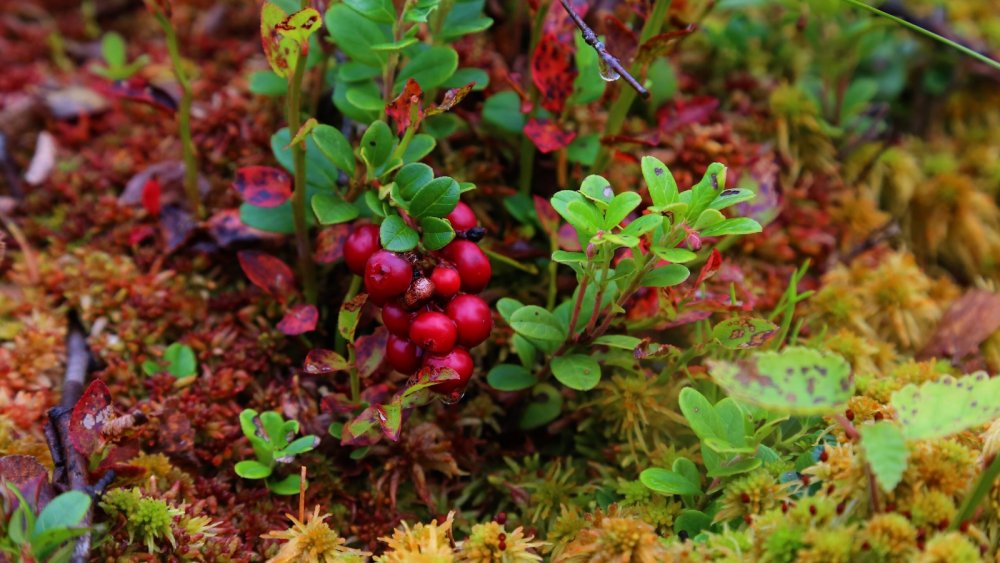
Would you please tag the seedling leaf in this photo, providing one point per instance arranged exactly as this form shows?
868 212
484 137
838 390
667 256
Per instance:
885 450
947 406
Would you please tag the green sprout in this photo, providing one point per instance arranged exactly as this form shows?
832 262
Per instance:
271 438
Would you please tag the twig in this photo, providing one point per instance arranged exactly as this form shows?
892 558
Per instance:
591 38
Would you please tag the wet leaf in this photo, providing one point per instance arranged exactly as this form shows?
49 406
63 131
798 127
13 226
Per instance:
299 320
740 333
800 381
268 273
263 186
947 406
324 362
90 415
407 110
547 136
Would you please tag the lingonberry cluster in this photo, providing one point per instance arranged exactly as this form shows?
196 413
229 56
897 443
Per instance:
428 300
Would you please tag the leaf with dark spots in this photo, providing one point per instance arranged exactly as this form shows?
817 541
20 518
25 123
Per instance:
620 40
658 45
740 333
712 265
330 242
29 476
263 186
286 38
390 419
369 351
226 228
268 273
553 70
417 391
90 415
547 216
300 319
350 314
151 196
407 110
324 362
547 136
648 349
362 430
681 113
177 226
451 99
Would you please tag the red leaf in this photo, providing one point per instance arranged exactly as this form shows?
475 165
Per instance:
369 352
91 413
323 362
139 90
620 40
547 135
569 239
227 229
547 215
151 196
451 99
330 243
658 44
268 273
141 234
263 186
553 71
711 266
407 110
680 113
362 430
298 320
557 21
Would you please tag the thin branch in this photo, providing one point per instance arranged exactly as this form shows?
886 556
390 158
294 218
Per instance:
591 38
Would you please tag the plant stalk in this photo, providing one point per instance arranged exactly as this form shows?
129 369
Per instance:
306 267
982 488
184 119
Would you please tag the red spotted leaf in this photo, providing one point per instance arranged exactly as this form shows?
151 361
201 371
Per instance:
324 362
451 99
286 37
620 40
547 215
553 70
268 273
711 266
547 136
299 320
369 351
151 196
330 242
407 110
558 22
362 430
263 186
29 476
649 349
659 44
90 415
227 229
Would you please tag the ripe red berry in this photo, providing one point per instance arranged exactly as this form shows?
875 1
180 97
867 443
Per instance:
403 355
458 360
447 282
396 319
434 332
472 264
359 247
387 275
472 319
462 218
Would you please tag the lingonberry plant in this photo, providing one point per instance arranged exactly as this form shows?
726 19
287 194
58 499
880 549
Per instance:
274 444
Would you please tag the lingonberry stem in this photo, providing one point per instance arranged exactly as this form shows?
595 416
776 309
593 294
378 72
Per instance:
982 488
184 118
307 269
527 160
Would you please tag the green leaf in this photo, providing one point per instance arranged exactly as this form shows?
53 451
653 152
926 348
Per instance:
355 35
675 255
947 406
349 315
437 198
379 11
431 68
330 209
506 306
565 257
735 226
666 482
619 208
798 380
464 76
113 49
686 468
267 83
395 46
464 17
503 110
643 225
420 146
662 82
376 145
299 446
544 407
701 415
419 11
540 326
397 236
622 341
577 371
412 177
740 333
693 522
365 96
320 172
588 86
353 71
64 511
705 191
252 469
659 180
584 149
335 146
731 197
730 468
437 233
666 276
510 377
180 359
287 486
597 189
886 453
708 218
273 220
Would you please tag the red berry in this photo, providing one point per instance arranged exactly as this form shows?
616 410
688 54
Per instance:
361 244
458 360
447 282
472 264
462 218
387 275
396 319
472 319
403 355
434 332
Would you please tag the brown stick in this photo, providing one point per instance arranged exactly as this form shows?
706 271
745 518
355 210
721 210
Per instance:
591 38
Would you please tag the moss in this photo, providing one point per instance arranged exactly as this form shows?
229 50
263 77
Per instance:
148 519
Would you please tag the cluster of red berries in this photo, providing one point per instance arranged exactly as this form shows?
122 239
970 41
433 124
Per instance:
429 303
